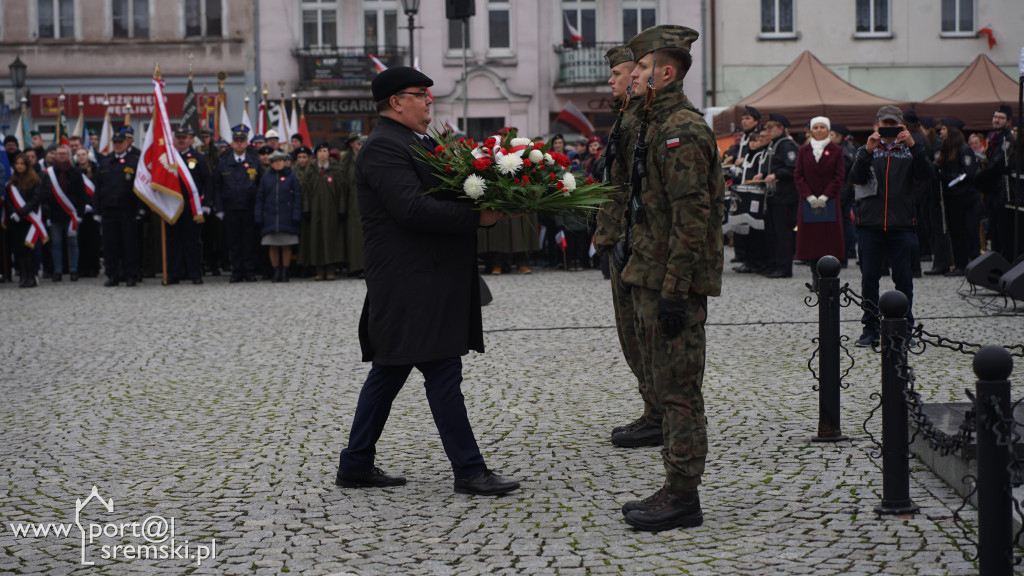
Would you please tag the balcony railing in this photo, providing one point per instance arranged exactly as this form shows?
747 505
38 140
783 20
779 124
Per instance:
583 64
343 66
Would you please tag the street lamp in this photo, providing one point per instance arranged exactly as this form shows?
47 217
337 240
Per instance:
17 75
411 7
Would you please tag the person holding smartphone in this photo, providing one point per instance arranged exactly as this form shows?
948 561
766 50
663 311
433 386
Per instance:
884 171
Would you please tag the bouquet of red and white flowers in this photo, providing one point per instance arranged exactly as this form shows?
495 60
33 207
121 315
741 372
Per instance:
512 175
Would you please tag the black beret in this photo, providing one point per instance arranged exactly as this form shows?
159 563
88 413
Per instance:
752 112
954 122
323 145
303 150
1005 110
779 118
265 150
396 79
841 129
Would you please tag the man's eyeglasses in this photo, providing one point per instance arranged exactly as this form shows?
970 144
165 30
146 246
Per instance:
421 95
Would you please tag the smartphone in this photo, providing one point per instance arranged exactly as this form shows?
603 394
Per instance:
889 131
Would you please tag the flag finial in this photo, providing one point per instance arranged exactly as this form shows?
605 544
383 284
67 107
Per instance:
156 72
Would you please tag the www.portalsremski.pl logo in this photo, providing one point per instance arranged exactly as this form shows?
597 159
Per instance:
152 538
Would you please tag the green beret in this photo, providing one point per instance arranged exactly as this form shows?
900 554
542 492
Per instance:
658 37
618 55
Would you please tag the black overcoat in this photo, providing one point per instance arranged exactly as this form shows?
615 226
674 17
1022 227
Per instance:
422 287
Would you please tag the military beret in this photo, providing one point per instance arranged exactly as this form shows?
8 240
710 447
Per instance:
297 136
1004 109
664 36
953 122
396 79
279 155
34 133
322 146
841 129
90 132
780 119
752 112
265 150
618 55
303 150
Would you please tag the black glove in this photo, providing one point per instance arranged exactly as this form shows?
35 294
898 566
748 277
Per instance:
671 317
619 256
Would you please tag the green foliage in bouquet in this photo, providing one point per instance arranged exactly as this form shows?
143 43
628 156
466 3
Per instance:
512 175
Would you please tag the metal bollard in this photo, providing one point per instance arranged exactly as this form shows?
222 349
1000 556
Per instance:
828 351
895 444
993 365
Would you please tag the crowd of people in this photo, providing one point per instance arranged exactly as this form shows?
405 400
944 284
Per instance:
65 205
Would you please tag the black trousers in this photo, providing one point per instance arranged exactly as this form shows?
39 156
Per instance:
964 212
779 222
120 244
240 231
443 379
183 249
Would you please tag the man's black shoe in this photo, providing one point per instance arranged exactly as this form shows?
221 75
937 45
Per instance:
648 434
55 276
74 276
642 504
172 281
745 269
250 278
631 426
935 271
867 340
235 278
673 509
130 282
779 273
485 483
373 478
197 281
955 272
110 282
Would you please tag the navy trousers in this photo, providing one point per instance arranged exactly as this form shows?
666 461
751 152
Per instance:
877 246
443 379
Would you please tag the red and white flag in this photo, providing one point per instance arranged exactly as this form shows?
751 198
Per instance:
574 117
593 250
573 32
560 240
161 170
377 64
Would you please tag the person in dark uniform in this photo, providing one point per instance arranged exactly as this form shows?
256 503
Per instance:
183 248
119 209
782 202
992 184
235 183
422 307
130 137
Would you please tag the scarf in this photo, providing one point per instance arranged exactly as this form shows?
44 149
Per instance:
818 146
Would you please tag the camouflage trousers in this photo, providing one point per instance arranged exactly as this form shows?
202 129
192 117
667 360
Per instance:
625 326
674 368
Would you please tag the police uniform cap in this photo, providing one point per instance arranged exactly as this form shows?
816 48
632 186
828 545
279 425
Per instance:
240 132
780 119
222 143
889 113
618 55
1004 109
396 79
271 134
664 36
265 150
121 134
279 155
752 112
954 122
206 132
841 129
183 130
258 139
128 130
322 146
303 150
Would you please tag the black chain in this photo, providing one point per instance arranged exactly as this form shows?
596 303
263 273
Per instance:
959 521
1005 429
925 338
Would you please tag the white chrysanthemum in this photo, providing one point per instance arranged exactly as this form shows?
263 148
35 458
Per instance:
548 159
509 164
474 186
521 142
536 156
569 181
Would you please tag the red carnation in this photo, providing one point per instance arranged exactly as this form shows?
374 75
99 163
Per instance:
482 164
527 163
552 176
559 185
439 148
490 142
561 159
448 168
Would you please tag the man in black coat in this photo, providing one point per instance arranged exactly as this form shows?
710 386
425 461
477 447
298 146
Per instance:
781 212
183 248
422 307
119 209
235 181
65 209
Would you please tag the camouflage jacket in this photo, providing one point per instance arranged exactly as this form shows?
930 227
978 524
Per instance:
677 248
611 214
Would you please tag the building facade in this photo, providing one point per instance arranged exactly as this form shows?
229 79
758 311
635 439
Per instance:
521 64
905 50
106 51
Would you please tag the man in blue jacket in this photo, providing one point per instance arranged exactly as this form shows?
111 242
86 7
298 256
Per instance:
884 171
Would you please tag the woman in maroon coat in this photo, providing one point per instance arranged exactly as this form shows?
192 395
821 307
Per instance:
819 176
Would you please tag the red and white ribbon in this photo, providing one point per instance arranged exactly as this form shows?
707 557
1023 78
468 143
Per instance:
38 230
64 202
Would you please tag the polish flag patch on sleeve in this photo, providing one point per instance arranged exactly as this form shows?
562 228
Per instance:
672 142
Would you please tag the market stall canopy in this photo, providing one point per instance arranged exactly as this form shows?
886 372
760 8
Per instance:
805 89
973 96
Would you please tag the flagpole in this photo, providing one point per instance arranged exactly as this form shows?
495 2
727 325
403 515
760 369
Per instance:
163 223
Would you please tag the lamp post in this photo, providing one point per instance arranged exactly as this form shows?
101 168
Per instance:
17 69
411 7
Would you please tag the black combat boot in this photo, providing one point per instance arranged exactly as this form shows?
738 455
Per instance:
646 433
672 509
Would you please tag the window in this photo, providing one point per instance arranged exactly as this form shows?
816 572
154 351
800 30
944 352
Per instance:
204 18
777 18
380 32
498 30
56 19
873 17
130 18
581 16
455 35
319 23
636 19
958 16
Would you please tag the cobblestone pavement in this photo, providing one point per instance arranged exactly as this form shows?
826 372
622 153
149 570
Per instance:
223 408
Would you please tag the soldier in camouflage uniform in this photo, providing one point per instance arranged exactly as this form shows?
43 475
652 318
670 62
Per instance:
645 430
672 264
